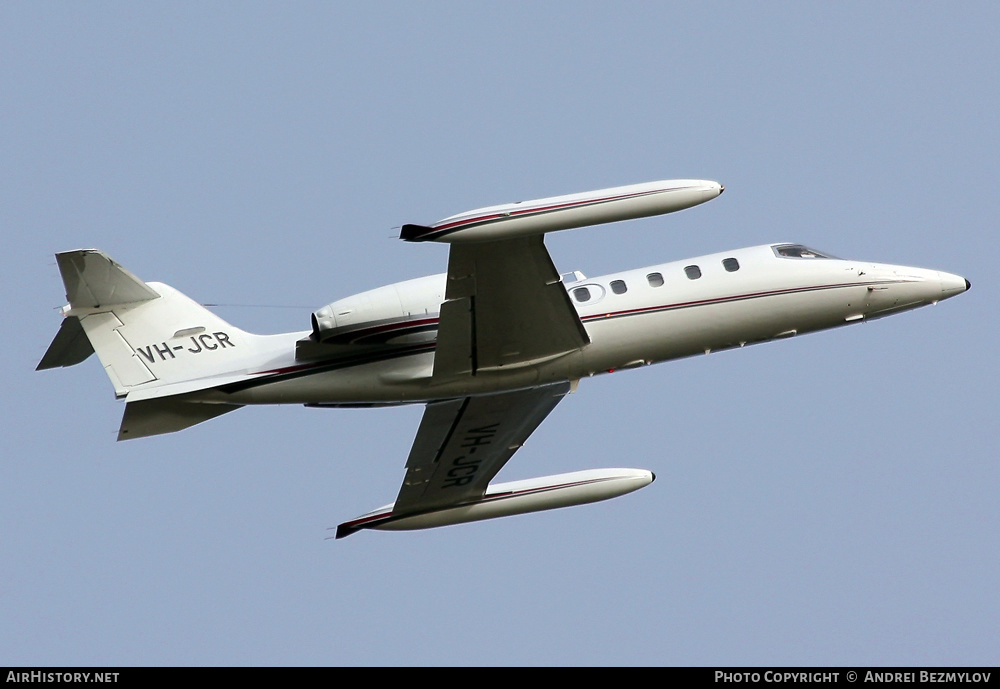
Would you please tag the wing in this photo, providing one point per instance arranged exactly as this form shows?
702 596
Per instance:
504 306
460 446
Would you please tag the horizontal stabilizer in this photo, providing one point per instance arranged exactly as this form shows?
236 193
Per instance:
156 416
70 346
94 280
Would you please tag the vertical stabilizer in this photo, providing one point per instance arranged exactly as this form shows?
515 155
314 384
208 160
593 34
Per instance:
147 335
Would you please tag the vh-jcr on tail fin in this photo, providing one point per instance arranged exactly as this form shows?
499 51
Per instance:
148 336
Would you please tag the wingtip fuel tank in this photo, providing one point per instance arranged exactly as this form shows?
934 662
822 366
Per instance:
566 212
516 497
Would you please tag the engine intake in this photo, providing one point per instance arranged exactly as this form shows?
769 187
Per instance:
402 313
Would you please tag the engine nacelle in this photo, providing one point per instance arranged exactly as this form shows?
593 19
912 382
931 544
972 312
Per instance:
402 313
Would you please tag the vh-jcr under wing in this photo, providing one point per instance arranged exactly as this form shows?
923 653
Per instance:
460 446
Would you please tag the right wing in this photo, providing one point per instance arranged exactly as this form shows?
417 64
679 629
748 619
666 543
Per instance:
460 446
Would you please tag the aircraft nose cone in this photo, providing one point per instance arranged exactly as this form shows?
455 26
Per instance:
968 285
713 189
952 284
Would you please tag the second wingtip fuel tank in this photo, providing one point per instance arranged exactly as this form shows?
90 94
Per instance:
515 497
566 212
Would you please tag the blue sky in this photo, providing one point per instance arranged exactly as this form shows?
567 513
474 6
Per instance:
831 499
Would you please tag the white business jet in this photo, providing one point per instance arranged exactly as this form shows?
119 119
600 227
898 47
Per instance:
490 347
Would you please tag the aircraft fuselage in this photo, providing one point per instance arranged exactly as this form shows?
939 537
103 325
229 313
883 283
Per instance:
633 319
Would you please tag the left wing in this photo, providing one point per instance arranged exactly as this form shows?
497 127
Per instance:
460 446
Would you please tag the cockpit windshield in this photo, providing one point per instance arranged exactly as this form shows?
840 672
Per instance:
797 251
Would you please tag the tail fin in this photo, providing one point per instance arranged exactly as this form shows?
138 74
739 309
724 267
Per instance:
146 336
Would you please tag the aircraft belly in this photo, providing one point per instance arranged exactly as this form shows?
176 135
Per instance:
390 381
398 381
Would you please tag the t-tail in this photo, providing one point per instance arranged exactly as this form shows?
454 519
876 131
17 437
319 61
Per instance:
156 345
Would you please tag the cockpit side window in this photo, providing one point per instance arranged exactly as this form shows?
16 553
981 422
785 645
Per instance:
797 251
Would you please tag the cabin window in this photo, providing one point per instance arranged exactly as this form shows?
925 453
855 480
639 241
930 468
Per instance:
655 280
693 272
731 264
619 287
589 294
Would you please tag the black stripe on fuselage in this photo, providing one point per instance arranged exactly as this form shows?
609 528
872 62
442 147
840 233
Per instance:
315 368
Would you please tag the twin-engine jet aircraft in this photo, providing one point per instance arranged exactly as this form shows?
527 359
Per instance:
490 347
